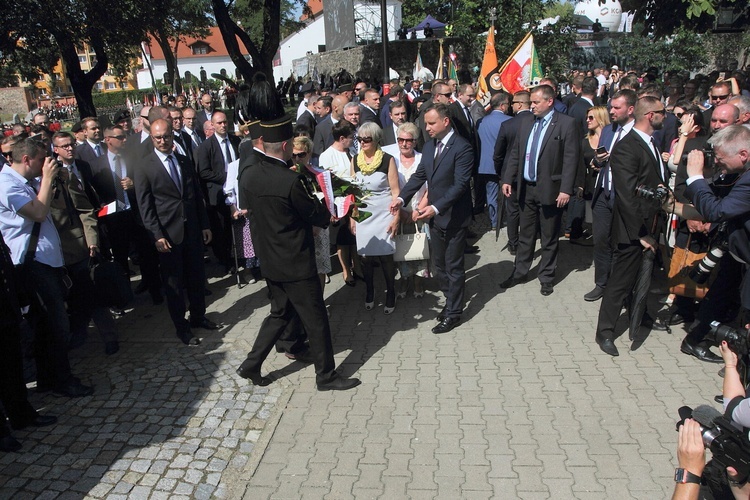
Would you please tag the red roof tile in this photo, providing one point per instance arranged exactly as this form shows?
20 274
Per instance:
214 41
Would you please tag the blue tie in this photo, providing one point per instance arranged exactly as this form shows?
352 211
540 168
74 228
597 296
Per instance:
173 173
98 151
534 149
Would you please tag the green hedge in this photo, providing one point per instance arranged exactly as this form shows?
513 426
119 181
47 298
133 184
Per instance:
117 99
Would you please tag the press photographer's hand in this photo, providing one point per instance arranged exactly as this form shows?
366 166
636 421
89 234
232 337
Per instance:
695 163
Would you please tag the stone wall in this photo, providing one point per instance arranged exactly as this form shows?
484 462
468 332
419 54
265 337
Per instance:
14 100
366 61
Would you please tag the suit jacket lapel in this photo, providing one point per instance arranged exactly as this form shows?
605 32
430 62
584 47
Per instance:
439 159
547 135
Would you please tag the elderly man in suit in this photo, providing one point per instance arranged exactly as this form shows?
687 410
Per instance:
634 161
446 165
173 212
206 112
213 158
543 163
112 179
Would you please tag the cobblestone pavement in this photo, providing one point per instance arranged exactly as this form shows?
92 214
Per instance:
517 402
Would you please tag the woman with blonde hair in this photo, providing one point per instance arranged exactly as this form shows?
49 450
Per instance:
597 118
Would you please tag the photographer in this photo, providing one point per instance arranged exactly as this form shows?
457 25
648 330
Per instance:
731 147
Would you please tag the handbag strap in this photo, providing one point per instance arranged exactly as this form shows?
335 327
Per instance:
33 241
687 251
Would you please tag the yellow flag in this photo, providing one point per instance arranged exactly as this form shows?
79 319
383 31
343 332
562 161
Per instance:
489 63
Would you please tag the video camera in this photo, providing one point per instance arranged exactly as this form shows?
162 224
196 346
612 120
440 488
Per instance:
726 439
702 270
709 158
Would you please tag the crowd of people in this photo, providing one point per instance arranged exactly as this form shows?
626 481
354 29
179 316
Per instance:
158 189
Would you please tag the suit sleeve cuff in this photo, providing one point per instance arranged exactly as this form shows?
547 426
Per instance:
693 178
437 212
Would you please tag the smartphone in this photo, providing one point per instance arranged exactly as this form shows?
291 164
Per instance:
601 150
722 75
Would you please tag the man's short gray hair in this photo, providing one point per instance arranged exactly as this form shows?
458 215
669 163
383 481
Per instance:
730 140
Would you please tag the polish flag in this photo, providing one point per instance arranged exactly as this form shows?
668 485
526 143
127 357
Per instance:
108 209
521 70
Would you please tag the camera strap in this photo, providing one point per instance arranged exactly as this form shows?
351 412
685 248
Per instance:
732 405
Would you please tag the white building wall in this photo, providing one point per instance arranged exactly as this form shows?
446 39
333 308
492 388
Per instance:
211 64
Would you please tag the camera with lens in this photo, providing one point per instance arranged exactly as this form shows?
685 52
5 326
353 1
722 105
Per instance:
737 338
726 439
659 193
709 158
702 270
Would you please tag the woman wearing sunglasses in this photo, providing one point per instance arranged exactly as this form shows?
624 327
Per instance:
376 172
596 119
407 160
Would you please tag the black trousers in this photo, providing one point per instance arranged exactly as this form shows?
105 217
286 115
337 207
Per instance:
513 217
182 270
305 299
221 229
121 230
549 219
625 265
723 295
12 387
447 255
602 229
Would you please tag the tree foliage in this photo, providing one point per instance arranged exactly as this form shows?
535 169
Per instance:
683 51
663 17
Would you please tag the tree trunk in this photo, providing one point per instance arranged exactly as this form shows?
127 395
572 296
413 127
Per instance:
169 58
81 82
229 33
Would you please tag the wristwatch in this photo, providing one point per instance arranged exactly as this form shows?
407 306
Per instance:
684 133
684 476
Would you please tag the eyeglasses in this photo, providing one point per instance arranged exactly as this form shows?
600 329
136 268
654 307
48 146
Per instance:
118 137
719 97
160 138
589 118
405 140
66 146
360 89
365 140
679 115
299 155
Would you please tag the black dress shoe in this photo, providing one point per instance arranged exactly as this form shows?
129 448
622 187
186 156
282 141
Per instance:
441 315
446 325
111 347
471 249
254 377
188 339
205 323
9 444
608 346
653 324
512 249
141 288
547 289
678 319
339 384
36 421
594 295
73 389
701 352
511 282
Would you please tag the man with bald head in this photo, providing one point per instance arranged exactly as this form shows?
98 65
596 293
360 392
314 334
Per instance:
206 112
173 212
723 116
323 137
212 159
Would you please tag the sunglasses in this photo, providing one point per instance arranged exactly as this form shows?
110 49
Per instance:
589 118
446 95
66 146
365 140
660 111
118 137
719 97
679 115
402 139
299 155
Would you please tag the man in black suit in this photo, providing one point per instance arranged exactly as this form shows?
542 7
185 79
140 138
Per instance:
321 138
190 127
369 107
207 111
282 211
183 142
307 118
586 99
521 105
440 94
446 165
92 147
634 161
172 209
543 161
212 159
112 179
460 113
397 114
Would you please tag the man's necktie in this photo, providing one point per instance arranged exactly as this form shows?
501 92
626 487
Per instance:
98 150
606 182
468 116
119 191
438 149
174 173
355 145
228 154
534 149
658 158
196 138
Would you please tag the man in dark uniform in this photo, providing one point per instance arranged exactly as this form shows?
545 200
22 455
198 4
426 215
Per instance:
282 210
